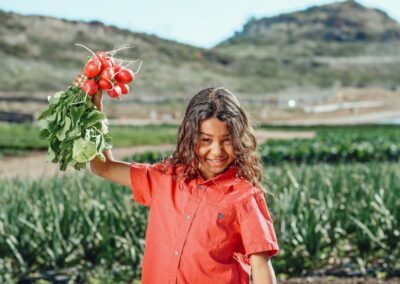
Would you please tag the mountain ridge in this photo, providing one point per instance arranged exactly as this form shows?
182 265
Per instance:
339 21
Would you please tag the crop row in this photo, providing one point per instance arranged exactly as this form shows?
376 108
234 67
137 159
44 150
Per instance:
324 150
342 215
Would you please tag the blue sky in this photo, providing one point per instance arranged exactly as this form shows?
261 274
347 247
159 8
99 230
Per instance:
201 23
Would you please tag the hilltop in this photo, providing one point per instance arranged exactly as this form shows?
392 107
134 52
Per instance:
346 21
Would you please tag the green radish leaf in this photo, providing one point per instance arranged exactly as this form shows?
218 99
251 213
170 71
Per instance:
108 138
55 145
51 156
66 144
74 133
100 143
69 116
101 157
44 133
46 113
51 118
79 166
69 159
62 133
94 117
83 150
55 98
59 117
63 165
43 124
76 114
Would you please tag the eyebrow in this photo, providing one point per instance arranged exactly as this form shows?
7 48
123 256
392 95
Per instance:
202 133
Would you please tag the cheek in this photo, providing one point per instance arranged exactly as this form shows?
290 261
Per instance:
230 151
200 151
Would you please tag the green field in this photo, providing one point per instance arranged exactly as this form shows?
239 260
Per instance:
332 144
333 199
90 228
335 144
19 138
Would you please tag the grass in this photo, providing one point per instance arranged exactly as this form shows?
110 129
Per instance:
335 145
343 215
125 136
19 138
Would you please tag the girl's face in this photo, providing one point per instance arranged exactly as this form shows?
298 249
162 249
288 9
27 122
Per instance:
214 149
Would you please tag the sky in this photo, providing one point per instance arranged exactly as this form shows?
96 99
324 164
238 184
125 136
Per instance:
200 23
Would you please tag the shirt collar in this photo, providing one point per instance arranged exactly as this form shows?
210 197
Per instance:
224 180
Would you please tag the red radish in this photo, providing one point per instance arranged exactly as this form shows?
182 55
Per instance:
107 62
107 73
117 68
104 84
115 92
92 68
124 88
125 76
90 87
100 55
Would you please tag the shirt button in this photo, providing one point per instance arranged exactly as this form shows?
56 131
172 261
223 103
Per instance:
176 253
200 187
187 217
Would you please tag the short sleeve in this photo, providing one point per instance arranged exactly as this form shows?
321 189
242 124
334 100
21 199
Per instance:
143 182
256 227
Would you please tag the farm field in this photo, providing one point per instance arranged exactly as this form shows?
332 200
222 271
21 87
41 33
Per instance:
340 183
90 228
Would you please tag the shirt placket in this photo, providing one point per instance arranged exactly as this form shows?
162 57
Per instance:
189 216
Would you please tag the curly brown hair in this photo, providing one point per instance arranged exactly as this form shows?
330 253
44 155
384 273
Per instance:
223 105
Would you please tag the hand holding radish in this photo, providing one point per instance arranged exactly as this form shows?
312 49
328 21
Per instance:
97 98
73 123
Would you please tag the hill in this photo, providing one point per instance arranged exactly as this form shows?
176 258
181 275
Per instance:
39 54
346 21
342 42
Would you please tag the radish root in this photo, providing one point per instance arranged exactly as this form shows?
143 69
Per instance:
78 44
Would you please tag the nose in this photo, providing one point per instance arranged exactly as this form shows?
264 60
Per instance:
217 150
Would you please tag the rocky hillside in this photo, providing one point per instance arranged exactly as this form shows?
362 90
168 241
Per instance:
342 42
39 54
346 21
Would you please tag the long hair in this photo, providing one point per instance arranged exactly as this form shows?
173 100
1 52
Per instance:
223 105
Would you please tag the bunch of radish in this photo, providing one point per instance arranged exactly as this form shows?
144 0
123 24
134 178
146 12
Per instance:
107 73
73 126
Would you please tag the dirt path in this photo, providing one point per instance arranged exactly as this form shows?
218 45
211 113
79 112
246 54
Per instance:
35 163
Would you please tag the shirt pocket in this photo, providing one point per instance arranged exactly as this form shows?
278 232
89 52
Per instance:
218 226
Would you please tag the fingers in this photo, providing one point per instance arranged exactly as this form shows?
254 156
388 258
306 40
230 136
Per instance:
97 96
97 100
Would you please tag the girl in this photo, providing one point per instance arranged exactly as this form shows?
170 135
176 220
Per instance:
208 219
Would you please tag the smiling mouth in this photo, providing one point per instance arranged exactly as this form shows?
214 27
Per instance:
216 161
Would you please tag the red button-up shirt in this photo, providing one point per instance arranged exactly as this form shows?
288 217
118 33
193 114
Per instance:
201 231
